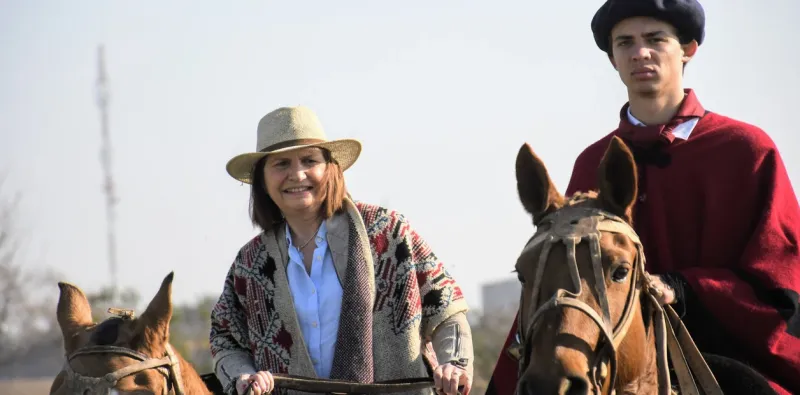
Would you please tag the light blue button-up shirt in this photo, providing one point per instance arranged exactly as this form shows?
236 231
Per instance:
317 300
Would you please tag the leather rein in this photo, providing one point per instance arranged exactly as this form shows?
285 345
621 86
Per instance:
316 385
169 366
571 226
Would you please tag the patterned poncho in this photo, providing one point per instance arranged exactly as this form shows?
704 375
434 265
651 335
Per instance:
392 283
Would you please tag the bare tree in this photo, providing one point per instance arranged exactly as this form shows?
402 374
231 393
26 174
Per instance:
489 335
27 311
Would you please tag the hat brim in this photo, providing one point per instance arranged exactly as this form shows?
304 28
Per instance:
344 151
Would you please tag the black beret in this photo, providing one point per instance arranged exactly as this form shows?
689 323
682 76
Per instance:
687 16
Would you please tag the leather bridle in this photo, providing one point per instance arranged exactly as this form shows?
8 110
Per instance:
572 225
168 366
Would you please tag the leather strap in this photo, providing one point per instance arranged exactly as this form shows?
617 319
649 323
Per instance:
680 335
317 385
682 371
661 347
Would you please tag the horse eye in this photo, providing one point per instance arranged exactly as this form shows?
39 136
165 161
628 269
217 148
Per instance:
520 278
620 274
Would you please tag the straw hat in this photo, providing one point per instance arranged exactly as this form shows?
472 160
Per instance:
287 129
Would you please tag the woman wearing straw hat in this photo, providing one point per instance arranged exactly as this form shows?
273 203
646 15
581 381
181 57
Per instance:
330 288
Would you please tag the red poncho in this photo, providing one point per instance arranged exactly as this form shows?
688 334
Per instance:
718 212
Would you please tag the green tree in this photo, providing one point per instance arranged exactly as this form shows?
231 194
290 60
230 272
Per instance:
189 330
488 336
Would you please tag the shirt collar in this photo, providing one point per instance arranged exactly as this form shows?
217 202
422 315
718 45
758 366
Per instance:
633 119
321 236
689 113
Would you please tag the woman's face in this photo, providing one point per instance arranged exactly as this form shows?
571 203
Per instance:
294 180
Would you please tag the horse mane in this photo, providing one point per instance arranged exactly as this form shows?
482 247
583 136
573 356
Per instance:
581 198
577 199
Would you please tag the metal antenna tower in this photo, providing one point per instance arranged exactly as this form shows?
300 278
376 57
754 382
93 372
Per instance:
103 95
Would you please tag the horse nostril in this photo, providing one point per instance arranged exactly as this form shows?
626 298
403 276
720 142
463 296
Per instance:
530 386
563 385
577 385
574 385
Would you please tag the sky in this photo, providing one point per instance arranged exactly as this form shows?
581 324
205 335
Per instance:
441 94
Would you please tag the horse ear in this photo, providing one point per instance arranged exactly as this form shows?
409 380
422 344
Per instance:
153 324
73 314
536 190
617 178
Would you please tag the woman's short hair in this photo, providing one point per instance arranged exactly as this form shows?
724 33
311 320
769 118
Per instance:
265 214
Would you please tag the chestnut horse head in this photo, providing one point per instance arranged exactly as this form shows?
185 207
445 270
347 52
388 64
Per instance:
121 355
584 322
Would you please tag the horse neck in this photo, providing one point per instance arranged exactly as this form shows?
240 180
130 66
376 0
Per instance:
192 383
638 367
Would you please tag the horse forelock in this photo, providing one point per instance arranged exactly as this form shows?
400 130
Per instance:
581 198
106 332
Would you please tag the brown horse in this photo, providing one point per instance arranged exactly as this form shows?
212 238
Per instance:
567 350
121 355
589 320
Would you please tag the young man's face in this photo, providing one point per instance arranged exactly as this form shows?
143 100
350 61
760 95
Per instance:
648 56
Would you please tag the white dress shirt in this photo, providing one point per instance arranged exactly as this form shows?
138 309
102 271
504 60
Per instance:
317 300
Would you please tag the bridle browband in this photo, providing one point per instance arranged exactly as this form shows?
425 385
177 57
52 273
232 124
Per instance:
572 225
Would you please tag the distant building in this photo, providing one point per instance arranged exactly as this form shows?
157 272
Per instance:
501 297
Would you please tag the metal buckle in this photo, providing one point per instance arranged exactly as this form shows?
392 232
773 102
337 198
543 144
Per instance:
514 350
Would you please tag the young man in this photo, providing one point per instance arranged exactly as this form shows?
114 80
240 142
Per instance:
717 214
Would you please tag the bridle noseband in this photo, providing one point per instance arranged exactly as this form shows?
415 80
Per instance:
571 226
168 365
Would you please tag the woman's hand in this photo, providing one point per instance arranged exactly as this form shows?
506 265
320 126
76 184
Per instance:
448 377
263 383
